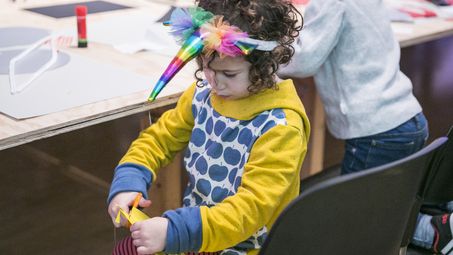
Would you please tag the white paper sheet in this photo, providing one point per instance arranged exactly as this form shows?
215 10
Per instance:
79 82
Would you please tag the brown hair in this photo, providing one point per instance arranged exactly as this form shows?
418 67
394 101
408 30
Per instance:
269 20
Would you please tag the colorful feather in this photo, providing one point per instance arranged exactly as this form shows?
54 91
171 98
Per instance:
219 36
184 22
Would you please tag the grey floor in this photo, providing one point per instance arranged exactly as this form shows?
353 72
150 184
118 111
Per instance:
53 192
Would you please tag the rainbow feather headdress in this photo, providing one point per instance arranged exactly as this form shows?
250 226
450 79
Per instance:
200 31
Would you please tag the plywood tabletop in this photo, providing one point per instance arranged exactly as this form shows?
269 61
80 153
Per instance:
14 132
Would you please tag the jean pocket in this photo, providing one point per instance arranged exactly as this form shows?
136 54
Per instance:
384 151
355 155
393 144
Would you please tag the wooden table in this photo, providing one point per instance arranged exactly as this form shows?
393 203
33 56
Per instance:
422 31
16 132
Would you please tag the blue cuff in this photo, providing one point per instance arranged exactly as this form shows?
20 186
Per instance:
184 232
130 177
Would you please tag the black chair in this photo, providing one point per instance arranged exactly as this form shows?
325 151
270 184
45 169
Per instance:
359 213
438 189
324 175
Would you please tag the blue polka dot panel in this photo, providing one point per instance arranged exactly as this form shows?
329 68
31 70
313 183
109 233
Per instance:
217 154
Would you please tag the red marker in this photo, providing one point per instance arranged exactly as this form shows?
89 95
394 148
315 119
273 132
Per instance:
81 14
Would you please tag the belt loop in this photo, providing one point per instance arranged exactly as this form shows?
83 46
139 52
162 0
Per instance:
417 119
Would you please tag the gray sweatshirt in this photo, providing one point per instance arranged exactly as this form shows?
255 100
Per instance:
349 48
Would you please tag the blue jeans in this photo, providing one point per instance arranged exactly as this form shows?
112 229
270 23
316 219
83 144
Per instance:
375 150
424 232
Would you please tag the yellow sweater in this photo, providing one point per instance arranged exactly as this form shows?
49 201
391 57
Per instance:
243 160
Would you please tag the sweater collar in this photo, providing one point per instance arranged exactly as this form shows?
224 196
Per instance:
284 97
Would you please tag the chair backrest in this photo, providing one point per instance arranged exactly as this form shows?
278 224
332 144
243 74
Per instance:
359 213
439 184
321 176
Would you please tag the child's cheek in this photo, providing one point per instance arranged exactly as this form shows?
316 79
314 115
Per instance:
210 76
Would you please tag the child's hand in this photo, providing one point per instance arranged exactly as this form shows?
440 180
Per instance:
123 200
150 235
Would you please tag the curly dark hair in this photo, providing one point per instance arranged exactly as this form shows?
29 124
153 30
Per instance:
270 20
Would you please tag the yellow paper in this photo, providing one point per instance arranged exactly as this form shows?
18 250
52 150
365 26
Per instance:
135 215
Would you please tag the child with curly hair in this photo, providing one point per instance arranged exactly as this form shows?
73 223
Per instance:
246 134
